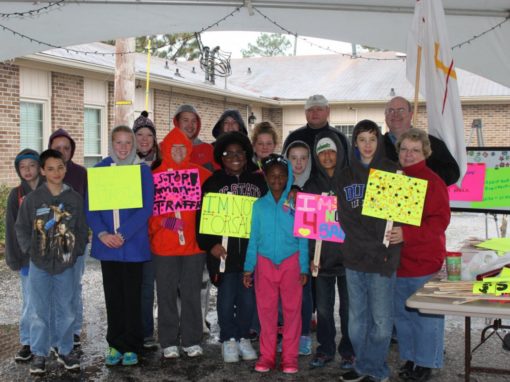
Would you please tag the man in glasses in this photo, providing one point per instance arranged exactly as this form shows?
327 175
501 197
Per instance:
399 115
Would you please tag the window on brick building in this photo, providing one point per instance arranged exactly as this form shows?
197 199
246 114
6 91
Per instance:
31 125
92 136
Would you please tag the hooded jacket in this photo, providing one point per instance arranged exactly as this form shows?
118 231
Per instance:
300 180
76 175
234 114
424 247
363 247
248 183
165 242
14 257
331 261
308 134
52 229
133 221
202 152
272 227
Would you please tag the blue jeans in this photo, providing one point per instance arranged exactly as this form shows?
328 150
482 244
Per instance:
79 270
148 278
235 305
306 309
24 321
326 331
44 288
420 336
370 320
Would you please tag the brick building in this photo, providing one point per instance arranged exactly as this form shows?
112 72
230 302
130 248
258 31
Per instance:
45 91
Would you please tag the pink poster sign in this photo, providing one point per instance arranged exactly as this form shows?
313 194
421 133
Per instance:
471 189
176 190
317 218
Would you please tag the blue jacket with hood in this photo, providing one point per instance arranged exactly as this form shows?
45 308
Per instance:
272 228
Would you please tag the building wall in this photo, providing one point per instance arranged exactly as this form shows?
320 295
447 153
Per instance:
9 121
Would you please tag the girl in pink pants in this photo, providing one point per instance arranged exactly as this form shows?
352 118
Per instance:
280 262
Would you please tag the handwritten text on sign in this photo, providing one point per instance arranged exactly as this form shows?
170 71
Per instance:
317 218
472 184
226 215
395 197
177 190
114 187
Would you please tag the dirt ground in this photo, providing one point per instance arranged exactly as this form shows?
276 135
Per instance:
210 366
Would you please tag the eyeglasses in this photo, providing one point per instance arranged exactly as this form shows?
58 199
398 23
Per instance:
404 150
233 154
399 111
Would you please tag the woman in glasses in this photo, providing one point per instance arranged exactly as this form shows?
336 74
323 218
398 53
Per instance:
235 304
420 336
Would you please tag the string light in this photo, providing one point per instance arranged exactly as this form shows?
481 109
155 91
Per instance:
477 36
96 53
33 11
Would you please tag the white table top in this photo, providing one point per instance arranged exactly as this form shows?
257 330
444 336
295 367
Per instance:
445 306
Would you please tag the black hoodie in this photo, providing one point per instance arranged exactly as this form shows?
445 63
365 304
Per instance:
363 247
331 263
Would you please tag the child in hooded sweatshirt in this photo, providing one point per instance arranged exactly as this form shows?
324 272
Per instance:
51 229
370 265
122 251
178 260
27 166
300 157
235 304
280 262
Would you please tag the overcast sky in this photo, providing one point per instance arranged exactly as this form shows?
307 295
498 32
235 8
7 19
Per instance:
235 41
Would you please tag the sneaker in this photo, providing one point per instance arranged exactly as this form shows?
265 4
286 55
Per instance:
76 340
420 374
230 351
171 352
352 376
193 351
263 366
113 357
246 350
289 369
150 343
347 363
38 365
305 345
69 361
320 360
129 359
23 354
406 370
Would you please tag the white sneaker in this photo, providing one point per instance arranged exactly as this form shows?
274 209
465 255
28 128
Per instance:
193 351
171 352
230 351
246 350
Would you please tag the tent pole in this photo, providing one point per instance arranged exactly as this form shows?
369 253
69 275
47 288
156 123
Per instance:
417 85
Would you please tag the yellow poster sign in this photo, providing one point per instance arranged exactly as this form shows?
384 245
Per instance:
114 188
394 197
226 215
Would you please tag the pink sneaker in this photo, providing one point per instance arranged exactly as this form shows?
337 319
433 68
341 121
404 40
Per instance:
289 369
263 365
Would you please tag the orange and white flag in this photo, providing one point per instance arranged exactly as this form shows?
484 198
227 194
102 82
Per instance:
438 78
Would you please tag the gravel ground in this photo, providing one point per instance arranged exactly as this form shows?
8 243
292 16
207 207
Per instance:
210 367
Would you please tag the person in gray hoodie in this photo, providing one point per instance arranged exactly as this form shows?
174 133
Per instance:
27 167
51 229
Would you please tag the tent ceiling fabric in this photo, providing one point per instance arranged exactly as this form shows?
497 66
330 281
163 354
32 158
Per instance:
373 23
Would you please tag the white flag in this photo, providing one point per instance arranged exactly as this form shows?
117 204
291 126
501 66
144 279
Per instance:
438 78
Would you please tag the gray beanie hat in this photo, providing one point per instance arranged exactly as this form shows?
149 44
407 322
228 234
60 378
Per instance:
185 107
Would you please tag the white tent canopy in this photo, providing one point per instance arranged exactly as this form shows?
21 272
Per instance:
382 24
